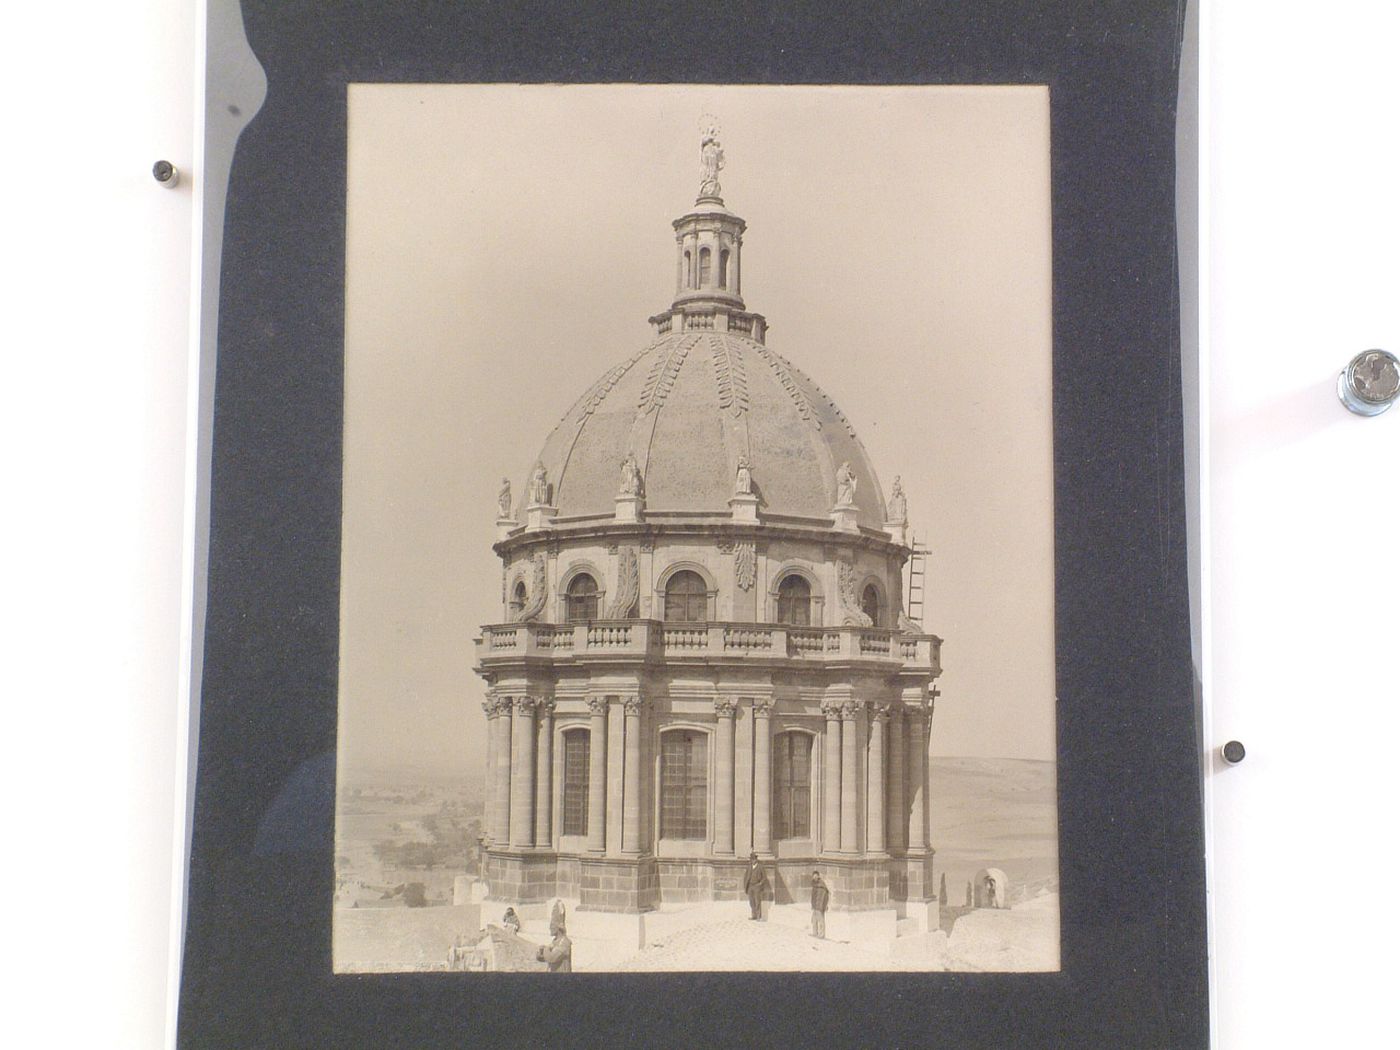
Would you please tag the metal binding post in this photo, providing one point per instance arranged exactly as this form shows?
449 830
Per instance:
1371 383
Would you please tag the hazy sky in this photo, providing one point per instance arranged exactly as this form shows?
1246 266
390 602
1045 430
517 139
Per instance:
506 245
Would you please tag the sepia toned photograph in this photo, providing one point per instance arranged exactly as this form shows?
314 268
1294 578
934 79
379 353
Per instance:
697 578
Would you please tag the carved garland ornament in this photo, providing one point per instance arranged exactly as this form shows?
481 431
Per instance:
731 381
745 565
851 613
662 376
628 584
604 386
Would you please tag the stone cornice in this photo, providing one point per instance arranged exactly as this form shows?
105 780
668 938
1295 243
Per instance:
602 531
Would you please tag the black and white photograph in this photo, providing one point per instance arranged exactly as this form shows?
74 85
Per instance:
697 565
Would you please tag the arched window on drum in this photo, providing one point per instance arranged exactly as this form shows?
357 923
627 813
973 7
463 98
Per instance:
582 598
686 598
794 601
870 605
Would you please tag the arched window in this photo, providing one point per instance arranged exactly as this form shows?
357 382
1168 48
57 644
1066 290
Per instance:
687 271
517 600
794 601
686 598
704 267
582 598
870 603
575 802
724 268
792 786
683 787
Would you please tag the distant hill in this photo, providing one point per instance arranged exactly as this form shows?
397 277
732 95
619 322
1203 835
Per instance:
994 812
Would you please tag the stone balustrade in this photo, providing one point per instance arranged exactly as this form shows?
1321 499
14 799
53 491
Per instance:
655 639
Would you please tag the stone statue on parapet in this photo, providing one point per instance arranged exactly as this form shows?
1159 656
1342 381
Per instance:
503 498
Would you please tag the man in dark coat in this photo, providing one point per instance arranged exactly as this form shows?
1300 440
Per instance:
821 896
755 885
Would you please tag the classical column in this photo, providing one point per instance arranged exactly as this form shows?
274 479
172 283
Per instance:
522 773
489 706
500 823
597 771
724 774
875 781
762 775
632 776
544 775
894 804
850 713
918 781
831 778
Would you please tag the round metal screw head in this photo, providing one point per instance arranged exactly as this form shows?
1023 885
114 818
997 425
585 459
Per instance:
1370 384
165 173
1233 752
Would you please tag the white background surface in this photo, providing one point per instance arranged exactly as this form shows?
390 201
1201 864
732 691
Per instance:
1301 267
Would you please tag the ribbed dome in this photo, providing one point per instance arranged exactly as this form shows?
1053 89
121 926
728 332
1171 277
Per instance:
687 407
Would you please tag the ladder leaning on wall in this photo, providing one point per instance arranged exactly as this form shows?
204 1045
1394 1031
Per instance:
914 591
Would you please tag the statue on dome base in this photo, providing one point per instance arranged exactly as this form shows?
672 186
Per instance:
503 498
539 486
845 486
899 505
743 478
631 484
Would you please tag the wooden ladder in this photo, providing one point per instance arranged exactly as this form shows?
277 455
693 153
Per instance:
914 592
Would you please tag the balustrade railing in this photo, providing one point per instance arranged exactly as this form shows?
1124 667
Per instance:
609 636
643 638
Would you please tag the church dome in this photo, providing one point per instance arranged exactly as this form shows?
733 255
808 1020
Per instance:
687 408
707 394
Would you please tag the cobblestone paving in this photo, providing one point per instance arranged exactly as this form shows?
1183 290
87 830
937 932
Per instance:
740 944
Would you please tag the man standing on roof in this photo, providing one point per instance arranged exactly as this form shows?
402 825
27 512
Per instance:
755 885
821 896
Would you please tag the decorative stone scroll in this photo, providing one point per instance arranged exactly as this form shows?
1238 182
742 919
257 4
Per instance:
537 590
851 613
628 585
